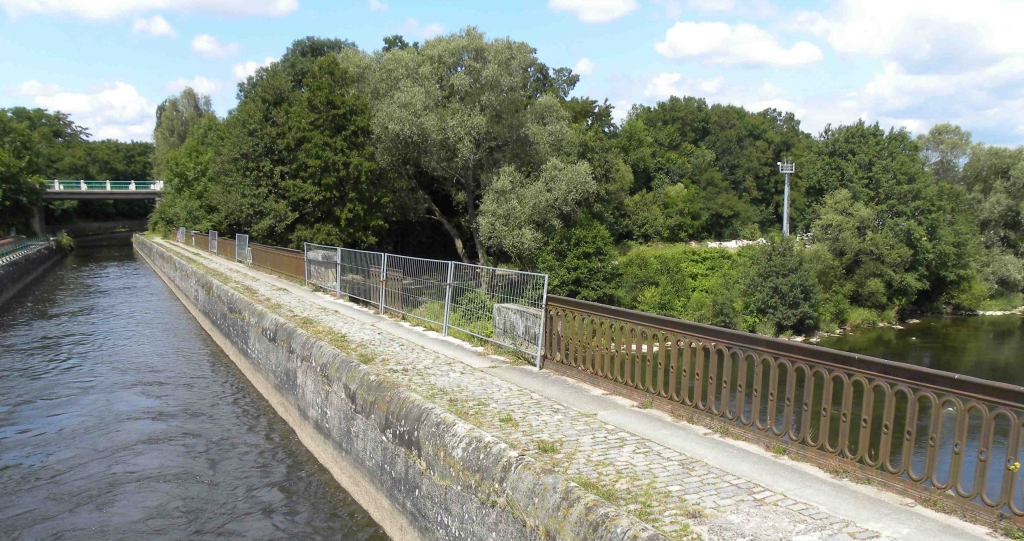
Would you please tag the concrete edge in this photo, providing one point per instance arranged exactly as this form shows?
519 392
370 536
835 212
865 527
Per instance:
20 283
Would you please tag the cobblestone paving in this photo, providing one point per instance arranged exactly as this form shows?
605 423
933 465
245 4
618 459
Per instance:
681 496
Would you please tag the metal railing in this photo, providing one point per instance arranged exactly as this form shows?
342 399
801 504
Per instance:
501 306
916 430
212 243
181 233
282 261
9 251
105 185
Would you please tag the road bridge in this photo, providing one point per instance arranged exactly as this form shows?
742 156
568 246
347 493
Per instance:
96 190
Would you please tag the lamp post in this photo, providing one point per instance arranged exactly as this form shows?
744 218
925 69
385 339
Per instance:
787 169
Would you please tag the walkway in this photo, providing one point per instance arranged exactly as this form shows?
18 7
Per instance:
682 479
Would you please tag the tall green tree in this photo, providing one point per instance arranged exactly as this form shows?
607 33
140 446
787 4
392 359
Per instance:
448 116
174 118
20 185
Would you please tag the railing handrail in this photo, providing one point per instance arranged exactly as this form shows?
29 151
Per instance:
993 391
290 251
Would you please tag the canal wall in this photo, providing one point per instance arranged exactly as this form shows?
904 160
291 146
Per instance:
422 473
16 274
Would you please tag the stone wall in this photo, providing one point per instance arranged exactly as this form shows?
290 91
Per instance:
16 274
422 473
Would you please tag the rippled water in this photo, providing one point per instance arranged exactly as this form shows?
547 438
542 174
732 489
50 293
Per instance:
120 418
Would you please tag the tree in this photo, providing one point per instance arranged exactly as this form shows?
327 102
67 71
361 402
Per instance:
945 148
519 213
581 262
174 118
20 187
450 115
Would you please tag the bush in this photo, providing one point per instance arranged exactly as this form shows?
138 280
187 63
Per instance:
778 288
580 262
695 284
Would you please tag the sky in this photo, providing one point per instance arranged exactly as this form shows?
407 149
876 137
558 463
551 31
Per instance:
109 63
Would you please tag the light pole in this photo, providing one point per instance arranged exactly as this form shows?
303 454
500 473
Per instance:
787 169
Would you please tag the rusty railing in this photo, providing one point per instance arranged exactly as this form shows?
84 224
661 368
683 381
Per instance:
920 432
284 261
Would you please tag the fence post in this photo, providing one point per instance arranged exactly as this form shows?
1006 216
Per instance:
448 296
543 314
337 274
305 260
383 280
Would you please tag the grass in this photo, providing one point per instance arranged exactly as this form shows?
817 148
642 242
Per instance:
548 447
507 419
646 403
1014 532
1002 303
777 449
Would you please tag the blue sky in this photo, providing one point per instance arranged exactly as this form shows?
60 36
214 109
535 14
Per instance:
108 63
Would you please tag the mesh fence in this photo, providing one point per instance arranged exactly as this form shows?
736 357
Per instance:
417 288
322 266
242 253
213 241
181 234
360 274
500 305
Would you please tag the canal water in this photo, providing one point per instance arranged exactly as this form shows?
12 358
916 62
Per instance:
986 347
120 418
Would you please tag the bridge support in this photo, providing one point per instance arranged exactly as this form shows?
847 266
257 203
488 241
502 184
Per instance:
38 220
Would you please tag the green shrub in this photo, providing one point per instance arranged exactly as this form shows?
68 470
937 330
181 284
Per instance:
863 317
581 262
778 288
695 284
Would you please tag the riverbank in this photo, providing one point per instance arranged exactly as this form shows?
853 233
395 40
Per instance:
681 479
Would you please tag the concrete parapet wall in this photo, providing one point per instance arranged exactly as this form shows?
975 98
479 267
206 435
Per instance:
421 472
16 274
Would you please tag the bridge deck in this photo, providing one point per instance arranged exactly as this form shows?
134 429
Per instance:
665 472
102 189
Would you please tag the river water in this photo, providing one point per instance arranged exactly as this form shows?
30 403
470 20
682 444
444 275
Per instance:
986 347
120 418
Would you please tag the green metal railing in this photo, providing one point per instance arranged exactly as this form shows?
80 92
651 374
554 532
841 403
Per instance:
18 248
105 185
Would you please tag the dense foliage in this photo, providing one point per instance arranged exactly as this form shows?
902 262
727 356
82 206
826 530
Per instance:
36 144
472 148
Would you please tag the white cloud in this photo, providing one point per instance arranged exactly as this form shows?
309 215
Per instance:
712 5
753 98
744 44
759 8
247 69
584 67
154 26
595 11
412 28
117 111
107 9
33 87
212 47
377 5
98 9
665 85
922 34
198 83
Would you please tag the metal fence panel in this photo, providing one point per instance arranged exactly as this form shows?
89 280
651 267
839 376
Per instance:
417 288
503 306
322 266
226 249
242 253
213 241
181 234
359 274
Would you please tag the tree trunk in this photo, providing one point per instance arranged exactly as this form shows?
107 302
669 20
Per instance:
435 213
481 253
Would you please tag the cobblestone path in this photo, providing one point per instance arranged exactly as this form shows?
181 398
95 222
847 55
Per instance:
683 497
